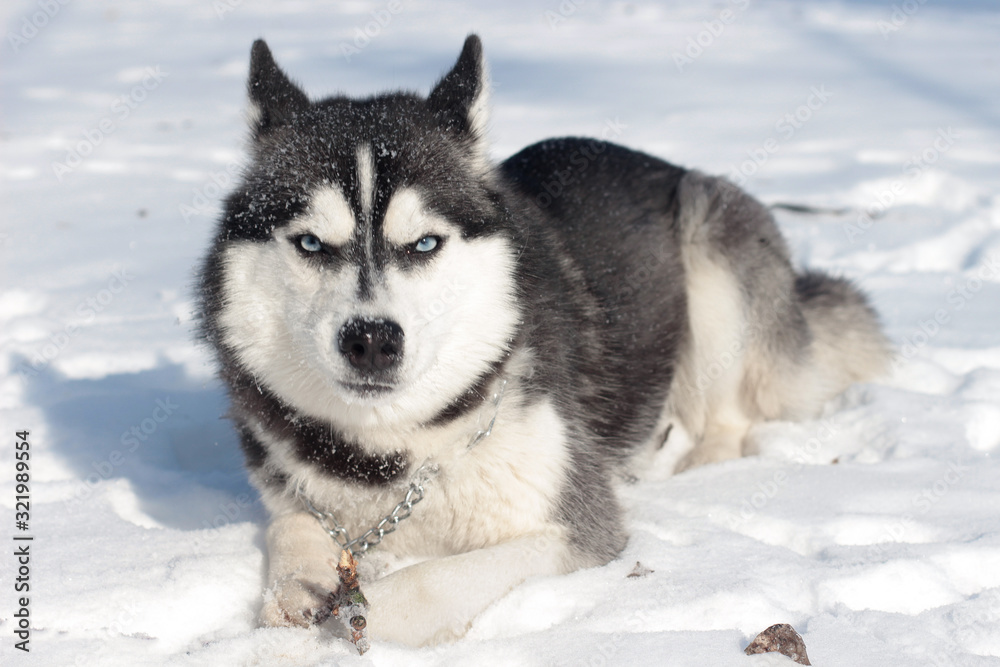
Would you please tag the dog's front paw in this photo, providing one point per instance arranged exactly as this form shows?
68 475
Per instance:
298 601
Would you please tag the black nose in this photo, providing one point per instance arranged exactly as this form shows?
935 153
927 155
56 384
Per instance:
372 345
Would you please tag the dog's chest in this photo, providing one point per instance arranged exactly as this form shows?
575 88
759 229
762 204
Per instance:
502 487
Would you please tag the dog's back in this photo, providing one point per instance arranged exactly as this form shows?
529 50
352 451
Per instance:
698 297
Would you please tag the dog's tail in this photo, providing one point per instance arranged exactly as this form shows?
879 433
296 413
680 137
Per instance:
847 342
808 209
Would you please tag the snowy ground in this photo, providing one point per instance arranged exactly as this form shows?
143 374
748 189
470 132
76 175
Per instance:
874 531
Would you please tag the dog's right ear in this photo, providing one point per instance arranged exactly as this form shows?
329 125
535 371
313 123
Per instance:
460 100
274 99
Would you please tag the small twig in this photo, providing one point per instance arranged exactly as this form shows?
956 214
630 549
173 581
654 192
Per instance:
349 604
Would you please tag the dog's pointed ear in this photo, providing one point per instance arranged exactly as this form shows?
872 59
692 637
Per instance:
460 100
274 99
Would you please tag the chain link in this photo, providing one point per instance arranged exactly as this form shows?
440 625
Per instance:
358 546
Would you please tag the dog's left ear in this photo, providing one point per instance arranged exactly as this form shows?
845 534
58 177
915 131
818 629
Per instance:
460 100
274 99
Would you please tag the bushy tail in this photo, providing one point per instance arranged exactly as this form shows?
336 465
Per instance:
848 344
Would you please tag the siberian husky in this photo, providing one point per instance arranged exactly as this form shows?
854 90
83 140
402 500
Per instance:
452 363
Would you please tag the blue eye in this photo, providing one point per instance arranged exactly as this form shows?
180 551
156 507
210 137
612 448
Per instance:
310 243
426 244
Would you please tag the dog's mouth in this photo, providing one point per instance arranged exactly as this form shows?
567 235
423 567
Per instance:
368 389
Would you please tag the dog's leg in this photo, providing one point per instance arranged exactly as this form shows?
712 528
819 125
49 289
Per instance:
436 600
302 571
722 440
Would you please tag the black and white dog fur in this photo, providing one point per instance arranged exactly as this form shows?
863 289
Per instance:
376 281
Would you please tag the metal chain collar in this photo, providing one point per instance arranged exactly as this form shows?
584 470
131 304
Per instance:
358 546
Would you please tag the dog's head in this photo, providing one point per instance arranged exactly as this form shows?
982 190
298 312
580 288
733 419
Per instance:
364 266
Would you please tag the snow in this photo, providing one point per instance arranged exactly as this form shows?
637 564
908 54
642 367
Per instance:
874 530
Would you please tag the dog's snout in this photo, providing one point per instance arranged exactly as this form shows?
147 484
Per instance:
371 345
